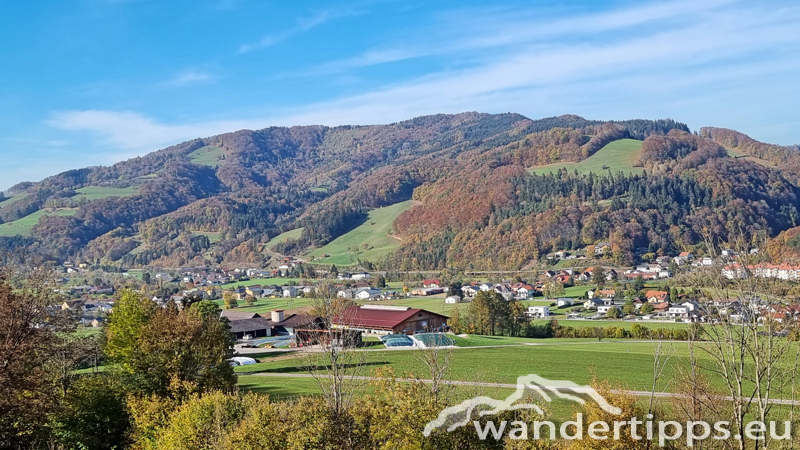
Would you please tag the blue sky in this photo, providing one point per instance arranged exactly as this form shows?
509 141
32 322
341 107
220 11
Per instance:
88 82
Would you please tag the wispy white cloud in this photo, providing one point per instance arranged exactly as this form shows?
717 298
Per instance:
494 28
133 132
304 24
189 78
693 70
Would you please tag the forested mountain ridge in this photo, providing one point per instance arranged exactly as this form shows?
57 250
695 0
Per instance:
221 199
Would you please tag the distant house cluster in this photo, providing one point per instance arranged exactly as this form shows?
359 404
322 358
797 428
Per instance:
509 291
783 271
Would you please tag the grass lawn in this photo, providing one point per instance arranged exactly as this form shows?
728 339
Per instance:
283 237
611 323
16 197
280 388
576 291
97 192
23 226
626 363
208 155
623 363
374 233
616 156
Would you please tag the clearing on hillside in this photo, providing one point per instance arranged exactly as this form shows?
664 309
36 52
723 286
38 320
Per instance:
283 237
98 192
23 226
16 197
369 241
738 154
208 155
617 156
213 236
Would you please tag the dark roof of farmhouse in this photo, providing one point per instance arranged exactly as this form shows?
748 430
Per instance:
372 317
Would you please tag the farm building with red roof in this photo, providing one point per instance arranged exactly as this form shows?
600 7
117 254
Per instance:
384 319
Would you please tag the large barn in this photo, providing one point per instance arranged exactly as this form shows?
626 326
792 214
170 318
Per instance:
254 325
384 319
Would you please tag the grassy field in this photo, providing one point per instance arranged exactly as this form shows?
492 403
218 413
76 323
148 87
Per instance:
374 233
612 323
23 226
16 197
628 364
208 155
283 237
616 156
625 363
96 192
559 410
576 291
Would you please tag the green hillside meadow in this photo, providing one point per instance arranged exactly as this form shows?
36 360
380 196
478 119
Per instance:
14 198
208 155
374 233
23 226
616 156
97 192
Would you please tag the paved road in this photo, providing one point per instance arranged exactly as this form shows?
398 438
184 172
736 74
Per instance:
512 386
245 351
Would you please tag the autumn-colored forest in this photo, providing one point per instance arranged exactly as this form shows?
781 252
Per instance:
478 205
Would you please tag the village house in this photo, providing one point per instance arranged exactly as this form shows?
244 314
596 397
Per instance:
367 294
656 296
453 299
592 303
347 293
431 284
602 310
525 291
683 258
662 307
602 247
538 312
424 292
469 291
601 294
678 312
254 291
561 302
72 305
